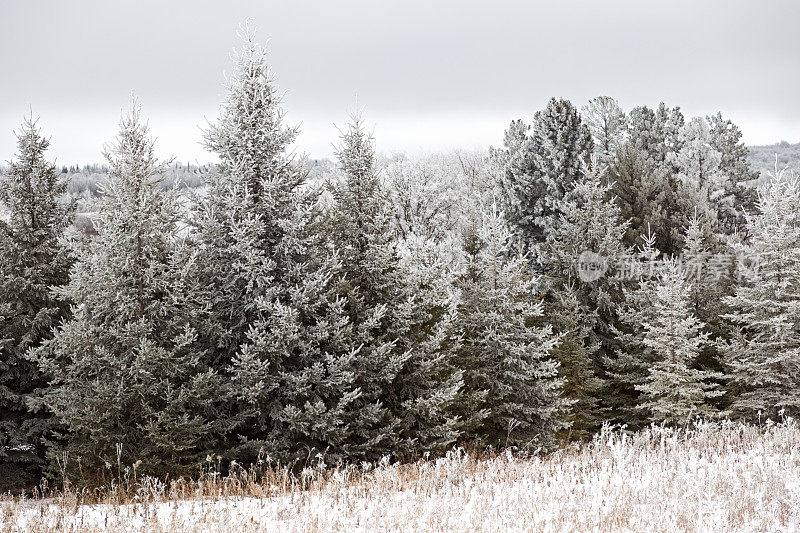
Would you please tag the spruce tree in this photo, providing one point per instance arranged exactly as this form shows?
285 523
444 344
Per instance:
762 355
32 260
627 369
271 317
675 390
252 194
590 229
393 320
126 380
576 354
512 391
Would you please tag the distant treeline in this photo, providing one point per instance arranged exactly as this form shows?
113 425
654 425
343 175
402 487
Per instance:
762 158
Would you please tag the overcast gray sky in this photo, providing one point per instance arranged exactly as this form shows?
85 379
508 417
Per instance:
429 74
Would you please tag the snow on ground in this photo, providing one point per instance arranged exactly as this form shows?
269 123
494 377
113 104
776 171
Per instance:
712 478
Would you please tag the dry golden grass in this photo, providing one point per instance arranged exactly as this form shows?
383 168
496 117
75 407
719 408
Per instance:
712 477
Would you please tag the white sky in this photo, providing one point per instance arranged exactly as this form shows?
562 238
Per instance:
430 75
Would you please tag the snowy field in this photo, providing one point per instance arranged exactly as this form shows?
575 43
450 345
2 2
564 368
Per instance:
711 478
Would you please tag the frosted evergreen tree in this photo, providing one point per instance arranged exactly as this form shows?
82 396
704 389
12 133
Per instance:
590 228
641 191
519 187
655 134
32 260
392 319
628 367
125 374
738 194
511 387
708 266
540 170
271 318
253 194
588 221
700 183
576 355
762 355
606 122
675 390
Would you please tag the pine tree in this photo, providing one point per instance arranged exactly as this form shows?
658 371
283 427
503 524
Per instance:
125 375
640 190
32 260
511 385
520 190
540 170
762 356
674 390
697 173
655 134
606 122
738 193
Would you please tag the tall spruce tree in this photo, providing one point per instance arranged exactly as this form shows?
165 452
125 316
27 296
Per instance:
125 375
32 260
590 229
762 355
271 317
576 353
627 369
394 320
512 393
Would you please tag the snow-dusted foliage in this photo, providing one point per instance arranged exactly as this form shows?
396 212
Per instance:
372 307
510 379
762 353
606 121
32 260
538 166
674 390
582 306
126 379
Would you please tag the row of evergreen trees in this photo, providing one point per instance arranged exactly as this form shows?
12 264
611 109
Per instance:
277 318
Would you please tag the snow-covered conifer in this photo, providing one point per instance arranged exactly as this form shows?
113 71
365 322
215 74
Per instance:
738 193
606 121
32 260
762 355
396 365
675 390
512 393
542 167
126 380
